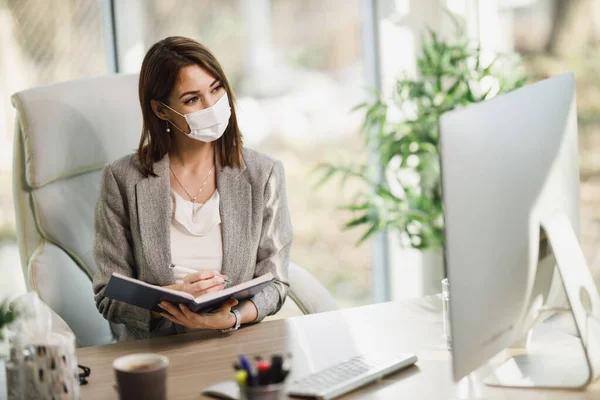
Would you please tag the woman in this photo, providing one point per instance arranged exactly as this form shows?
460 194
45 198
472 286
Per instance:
192 208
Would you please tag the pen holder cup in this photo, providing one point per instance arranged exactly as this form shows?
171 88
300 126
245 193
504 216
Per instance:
268 392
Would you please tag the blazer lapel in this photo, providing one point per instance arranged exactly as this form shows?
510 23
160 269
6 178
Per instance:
153 207
236 216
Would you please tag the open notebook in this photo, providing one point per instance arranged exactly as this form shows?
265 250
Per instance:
145 295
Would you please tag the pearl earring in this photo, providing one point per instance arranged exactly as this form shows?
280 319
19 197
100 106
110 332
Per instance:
168 129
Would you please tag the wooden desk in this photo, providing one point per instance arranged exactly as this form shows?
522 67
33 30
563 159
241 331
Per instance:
198 360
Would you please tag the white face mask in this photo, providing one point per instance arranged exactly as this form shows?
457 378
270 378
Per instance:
209 124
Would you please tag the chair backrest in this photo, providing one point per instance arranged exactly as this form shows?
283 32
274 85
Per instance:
65 133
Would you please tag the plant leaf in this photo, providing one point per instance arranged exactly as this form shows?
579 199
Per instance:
369 233
357 221
359 106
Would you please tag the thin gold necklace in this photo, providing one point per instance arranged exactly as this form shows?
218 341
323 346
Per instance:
193 199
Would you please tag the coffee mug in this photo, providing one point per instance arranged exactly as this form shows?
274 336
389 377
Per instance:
141 376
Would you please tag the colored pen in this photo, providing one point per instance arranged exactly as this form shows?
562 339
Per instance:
241 377
276 369
263 368
248 368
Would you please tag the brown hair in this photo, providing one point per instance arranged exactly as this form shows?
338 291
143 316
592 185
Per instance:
158 75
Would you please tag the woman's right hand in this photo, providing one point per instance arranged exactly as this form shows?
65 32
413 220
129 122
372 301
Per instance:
202 282
197 284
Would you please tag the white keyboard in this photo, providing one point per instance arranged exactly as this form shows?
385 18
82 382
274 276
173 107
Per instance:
349 375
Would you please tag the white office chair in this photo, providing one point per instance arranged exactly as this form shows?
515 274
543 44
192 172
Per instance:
65 133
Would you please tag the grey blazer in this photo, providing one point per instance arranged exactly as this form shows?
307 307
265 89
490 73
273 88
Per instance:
132 222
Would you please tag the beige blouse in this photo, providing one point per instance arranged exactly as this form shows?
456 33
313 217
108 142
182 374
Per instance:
196 243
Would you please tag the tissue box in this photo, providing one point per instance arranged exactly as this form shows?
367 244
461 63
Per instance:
43 362
44 370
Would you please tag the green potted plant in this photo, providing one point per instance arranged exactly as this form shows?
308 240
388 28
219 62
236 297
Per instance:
7 316
408 200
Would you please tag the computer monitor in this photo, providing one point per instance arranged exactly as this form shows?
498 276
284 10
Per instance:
510 183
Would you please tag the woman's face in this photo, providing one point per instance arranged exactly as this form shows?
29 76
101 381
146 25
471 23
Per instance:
195 89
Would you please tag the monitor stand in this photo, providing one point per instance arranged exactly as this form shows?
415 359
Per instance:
573 369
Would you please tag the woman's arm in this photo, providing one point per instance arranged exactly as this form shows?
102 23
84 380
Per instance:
220 319
274 247
248 312
113 253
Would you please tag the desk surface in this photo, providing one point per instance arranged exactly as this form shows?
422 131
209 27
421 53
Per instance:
198 360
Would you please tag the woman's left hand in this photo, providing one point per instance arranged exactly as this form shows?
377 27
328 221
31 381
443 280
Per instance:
180 314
